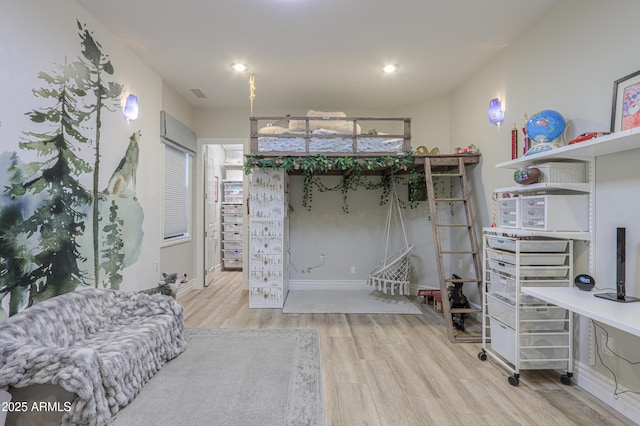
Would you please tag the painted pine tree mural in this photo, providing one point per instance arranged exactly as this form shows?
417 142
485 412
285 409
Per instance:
106 96
60 219
56 234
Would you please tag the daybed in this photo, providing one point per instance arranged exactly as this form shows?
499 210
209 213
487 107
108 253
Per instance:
101 345
329 132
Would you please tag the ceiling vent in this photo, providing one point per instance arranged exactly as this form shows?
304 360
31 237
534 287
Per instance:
198 93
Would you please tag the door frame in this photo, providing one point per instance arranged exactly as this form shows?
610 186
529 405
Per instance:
199 228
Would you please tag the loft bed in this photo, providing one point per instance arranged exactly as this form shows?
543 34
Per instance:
338 135
329 135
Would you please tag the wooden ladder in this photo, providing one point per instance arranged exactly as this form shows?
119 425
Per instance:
454 334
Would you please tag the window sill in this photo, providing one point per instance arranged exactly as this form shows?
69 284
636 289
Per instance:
175 241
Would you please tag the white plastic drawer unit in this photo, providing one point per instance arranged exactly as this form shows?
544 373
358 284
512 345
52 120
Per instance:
509 212
555 212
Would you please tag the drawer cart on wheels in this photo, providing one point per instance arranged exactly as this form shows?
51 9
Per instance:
521 332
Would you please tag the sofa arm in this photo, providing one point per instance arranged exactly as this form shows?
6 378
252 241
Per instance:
77 370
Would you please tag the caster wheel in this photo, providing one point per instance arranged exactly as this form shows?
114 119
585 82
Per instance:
482 356
513 380
565 380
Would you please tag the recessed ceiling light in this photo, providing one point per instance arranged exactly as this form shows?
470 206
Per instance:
239 67
390 68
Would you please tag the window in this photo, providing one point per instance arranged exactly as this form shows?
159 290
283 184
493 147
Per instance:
177 193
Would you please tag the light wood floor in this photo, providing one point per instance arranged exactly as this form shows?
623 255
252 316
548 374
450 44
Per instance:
402 369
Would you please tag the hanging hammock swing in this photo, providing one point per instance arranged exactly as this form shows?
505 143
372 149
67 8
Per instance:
393 272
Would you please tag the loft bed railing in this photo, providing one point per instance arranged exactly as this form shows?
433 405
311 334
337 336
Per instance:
308 140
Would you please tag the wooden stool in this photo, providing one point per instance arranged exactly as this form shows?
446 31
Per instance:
428 294
437 302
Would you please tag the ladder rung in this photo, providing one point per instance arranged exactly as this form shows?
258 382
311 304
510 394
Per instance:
454 225
468 338
446 174
458 252
450 199
465 310
463 280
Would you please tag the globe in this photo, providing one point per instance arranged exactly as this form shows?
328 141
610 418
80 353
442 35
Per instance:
545 126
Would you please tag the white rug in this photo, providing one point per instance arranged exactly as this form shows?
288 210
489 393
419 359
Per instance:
365 301
235 377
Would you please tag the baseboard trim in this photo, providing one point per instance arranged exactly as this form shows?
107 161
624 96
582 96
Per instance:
602 387
185 288
327 284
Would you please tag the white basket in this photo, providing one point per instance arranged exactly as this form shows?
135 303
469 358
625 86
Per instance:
557 172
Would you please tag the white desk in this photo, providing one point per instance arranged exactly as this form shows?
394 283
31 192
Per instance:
623 316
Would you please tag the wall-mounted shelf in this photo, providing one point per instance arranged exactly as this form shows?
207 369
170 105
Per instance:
547 187
583 151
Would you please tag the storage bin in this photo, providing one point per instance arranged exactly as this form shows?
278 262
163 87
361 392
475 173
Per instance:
562 172
529 271
234 174
530 259
503 340
233 244
265 228
265 278
555 212
266 245
502 286
232 227
231 209
541 340
501 310
509 212
526 246
543 318
232 254
232 236
232 218
266 262
265 297
232 263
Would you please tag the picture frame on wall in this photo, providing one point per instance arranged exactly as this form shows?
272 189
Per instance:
625 109
216 188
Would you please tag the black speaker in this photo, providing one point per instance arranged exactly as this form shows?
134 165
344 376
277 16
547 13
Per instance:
584 282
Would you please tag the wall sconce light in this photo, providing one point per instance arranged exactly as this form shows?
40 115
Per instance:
130 110
496 115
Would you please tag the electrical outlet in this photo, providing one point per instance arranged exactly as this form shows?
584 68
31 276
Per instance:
607 342
459 264
353 269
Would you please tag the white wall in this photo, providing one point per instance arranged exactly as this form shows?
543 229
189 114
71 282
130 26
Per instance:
567 62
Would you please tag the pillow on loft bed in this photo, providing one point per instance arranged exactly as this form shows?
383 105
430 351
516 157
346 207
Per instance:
272 130
340 126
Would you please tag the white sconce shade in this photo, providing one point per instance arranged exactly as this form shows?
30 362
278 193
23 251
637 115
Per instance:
130 110
496 115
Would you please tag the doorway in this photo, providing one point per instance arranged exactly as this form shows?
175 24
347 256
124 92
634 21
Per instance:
222 159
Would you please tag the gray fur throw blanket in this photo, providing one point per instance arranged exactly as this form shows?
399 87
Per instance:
102 345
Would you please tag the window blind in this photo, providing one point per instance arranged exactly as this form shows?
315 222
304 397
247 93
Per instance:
176 192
